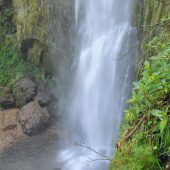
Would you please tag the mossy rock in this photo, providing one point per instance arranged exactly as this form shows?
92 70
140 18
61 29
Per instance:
31 19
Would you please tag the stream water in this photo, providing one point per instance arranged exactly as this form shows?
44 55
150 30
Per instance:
104 69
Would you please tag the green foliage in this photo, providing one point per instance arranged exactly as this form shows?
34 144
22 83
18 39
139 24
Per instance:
6 17
151 97
135 156
12 65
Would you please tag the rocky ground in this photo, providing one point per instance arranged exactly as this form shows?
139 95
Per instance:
10 132
27 109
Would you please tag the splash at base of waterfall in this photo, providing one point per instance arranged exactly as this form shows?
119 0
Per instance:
77 158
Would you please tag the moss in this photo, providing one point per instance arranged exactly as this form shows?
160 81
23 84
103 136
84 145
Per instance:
150 13
32 18
36 53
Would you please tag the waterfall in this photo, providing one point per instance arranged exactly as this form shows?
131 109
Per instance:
104 71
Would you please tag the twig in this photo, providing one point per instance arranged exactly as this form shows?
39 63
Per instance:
84 145
130 134
92 160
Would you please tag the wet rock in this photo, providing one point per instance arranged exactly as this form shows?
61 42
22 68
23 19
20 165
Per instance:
33 119
6 98
25 91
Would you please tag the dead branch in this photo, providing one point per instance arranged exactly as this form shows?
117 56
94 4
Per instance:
131 133
103 157
92 160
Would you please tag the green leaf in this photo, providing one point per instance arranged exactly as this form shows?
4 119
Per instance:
162 125
137 85
157 113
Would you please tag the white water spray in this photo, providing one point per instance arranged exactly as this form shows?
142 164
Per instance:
104 74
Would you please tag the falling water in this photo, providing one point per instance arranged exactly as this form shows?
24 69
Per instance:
105 69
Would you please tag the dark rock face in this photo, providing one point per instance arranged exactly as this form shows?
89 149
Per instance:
33 119
33 50
25 91
6 98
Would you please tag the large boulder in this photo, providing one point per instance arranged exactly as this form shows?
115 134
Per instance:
33 119
6 97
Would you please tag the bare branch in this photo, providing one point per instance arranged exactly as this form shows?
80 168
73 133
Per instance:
99 159
131 133
103 157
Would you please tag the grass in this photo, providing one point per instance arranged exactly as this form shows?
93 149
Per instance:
12 63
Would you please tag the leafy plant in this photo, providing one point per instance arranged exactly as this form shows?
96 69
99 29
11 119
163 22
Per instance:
148 148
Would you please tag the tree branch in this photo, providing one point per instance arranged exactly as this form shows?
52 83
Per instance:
131 133
104 157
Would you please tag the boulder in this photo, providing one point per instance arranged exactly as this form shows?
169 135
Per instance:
6 98
26 83
25 91
33 119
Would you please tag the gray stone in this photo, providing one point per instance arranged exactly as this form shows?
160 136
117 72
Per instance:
33 119
25 91
26 83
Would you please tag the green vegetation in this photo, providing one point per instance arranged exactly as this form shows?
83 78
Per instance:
12 63
145 138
